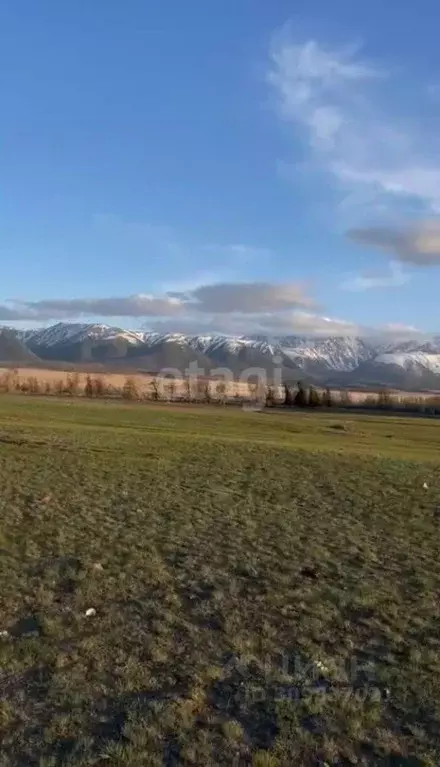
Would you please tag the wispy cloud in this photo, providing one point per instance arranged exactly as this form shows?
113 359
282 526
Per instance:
176 253
363 282
334 101
418 244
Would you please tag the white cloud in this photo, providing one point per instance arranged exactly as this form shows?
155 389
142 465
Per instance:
333 100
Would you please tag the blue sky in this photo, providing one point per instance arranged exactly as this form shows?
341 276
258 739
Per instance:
222 166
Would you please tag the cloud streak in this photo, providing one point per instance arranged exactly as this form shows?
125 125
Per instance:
243 299
418 245
334 102
363 282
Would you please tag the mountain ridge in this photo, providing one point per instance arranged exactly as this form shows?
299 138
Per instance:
348 360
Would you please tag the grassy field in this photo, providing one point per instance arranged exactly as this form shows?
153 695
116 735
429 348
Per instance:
263 587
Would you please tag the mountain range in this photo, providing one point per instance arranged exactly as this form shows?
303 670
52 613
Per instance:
334 361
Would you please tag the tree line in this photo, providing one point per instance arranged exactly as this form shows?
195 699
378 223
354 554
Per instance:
299 396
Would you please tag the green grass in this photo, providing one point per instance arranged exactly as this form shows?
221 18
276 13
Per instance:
265 585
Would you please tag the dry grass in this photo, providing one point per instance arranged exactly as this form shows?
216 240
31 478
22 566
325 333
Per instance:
265 587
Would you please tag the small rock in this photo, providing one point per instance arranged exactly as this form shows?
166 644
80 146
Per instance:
90 613
425 485
97 566
4 634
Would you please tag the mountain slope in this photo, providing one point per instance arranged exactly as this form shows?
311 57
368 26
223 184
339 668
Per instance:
13 350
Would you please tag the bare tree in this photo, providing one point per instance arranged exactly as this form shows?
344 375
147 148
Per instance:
98 386
155 389
59 387
88 387
73 384
130 390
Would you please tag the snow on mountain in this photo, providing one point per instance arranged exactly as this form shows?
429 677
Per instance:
411 360
152 338
75 332
232 345
337 353
315 355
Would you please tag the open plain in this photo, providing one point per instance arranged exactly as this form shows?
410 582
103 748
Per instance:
197 585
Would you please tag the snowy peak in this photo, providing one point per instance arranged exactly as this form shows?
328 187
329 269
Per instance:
411 361
336 353
346 358
76 332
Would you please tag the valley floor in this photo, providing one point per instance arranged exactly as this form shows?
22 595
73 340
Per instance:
207 586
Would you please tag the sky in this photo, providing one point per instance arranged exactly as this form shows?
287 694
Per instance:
232 166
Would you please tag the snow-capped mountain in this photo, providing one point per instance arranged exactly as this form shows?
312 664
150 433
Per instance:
76 332
411 360
345 360
336 353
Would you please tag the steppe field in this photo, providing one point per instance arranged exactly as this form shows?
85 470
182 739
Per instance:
196 585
